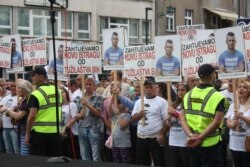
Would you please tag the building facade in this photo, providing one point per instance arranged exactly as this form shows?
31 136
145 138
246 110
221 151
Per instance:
212 13
82 20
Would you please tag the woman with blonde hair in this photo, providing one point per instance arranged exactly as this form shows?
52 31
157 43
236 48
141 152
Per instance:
239 124
21 112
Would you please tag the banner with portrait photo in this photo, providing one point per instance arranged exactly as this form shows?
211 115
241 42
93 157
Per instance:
5 54
139 61
168 58
114 40
246 35
189 32
16 53
60 51
34 52
230 53
83 59
196 53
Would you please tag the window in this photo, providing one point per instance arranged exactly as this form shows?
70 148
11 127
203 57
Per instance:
188 17
69 24
45 3
144 31
23 21
5 20
170 22
42 24
133 31
83 26
131 26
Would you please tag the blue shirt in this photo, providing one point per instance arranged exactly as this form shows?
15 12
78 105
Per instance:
167 65
231 60
59 65
16 59
113 55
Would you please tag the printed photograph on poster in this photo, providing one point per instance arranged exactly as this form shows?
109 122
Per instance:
34 52
246 35
230 52
82 59
113 44
59 46
16 53
168 58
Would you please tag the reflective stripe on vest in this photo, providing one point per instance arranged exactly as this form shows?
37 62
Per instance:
45 121
200 111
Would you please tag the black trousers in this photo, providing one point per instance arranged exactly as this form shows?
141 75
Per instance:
241 159
205 156
147 148
45 144
178 157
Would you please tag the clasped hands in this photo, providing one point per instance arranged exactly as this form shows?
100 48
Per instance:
194 140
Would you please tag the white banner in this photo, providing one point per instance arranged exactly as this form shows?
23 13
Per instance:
139 61
34 52
197 53
85 59
189 32
5 54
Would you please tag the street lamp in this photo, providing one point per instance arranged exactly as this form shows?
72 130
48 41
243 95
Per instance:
147 9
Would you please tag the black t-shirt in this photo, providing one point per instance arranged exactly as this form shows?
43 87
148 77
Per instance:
33 101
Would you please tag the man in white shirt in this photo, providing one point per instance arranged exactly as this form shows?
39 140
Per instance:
151 134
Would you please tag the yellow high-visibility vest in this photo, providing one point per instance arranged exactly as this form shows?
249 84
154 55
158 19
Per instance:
200 107
45 121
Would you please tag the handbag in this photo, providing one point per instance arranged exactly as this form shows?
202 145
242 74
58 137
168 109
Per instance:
247 143
109 141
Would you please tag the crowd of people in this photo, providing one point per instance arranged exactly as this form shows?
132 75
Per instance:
110 121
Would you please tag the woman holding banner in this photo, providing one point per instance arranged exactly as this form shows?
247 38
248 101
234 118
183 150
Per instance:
239 124
24 88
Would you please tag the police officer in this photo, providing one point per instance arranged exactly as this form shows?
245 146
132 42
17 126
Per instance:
204 109
41 132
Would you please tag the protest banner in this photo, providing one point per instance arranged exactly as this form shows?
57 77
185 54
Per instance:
34 52
114 40
139 61
59 47
16 53
5 54
204 34
189 32
85 59
197 53
168 58
230 53
246 35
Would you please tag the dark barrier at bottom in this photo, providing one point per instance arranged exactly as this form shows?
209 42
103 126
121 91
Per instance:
11 160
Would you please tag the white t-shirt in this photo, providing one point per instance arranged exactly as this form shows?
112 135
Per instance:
10 102
77 93
177 136
228 95
69 112
237 139
156 114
